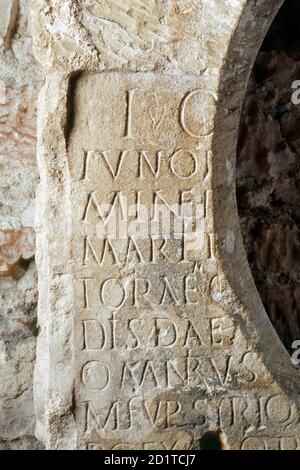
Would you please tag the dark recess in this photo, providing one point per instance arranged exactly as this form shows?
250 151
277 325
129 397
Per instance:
268 173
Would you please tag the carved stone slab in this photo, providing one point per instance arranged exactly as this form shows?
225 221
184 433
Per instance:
151 331
142 340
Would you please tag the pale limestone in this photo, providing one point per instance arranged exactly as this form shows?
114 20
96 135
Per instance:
193 351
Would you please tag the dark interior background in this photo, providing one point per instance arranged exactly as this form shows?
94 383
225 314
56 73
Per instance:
268 173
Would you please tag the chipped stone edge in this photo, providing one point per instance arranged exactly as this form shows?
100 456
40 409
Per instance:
244 303
54 385
54 371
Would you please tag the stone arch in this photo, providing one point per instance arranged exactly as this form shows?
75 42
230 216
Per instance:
230 37
248 35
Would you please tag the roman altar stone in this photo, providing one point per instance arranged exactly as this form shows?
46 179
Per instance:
151 331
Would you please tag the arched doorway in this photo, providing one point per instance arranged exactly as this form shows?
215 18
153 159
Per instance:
249 35
268 192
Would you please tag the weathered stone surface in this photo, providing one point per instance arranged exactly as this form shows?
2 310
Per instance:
20 81
150 342
139 306
9 12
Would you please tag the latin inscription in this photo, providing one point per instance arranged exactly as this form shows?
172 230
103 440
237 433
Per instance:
154 350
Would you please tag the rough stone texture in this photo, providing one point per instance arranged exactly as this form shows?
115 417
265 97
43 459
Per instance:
195 353
20 81
149 287
108 374
268 163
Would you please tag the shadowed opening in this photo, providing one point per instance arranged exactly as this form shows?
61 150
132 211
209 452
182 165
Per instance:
268 173
213 440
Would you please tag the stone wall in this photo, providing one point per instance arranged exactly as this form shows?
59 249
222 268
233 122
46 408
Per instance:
193 353
150 342
20 81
